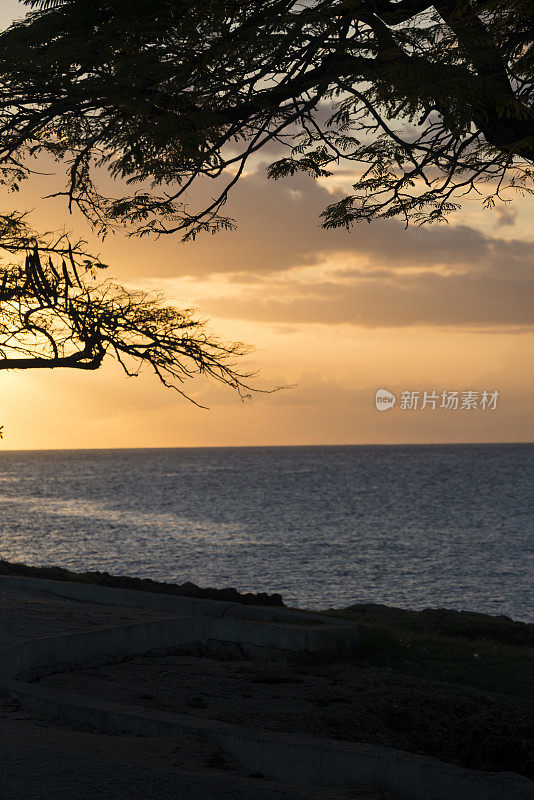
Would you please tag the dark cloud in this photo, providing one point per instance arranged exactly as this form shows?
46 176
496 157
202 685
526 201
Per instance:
506 215
279 228
387 275
493 296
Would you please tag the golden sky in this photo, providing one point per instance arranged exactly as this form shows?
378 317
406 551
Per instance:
335 315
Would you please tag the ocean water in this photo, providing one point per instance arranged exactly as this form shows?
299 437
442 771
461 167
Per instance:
414 526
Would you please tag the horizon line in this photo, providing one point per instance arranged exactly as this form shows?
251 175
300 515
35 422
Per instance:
260 446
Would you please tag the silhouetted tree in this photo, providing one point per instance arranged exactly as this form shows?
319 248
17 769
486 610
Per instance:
427 100
55 312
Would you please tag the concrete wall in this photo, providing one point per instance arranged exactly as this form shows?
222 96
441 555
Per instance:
261 641
168 604
306 761
329 763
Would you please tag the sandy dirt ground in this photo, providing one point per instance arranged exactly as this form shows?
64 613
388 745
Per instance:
42 759
29 613
348 701
50 760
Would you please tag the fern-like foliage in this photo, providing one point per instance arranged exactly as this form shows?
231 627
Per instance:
427 101
57 311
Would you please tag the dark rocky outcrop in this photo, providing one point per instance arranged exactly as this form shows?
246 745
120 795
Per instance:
449 622
141 584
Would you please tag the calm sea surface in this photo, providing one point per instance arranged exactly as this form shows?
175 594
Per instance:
414 526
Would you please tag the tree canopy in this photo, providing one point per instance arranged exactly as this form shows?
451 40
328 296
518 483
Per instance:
426 101
56 311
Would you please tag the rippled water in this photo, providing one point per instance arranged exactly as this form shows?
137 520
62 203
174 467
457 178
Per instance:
414 526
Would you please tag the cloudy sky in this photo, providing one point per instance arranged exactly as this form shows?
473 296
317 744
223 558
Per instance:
332 315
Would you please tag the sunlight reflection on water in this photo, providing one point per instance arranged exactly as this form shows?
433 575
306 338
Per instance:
414 526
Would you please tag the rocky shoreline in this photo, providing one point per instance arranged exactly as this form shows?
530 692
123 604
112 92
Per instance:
97 578
469 625
454 685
